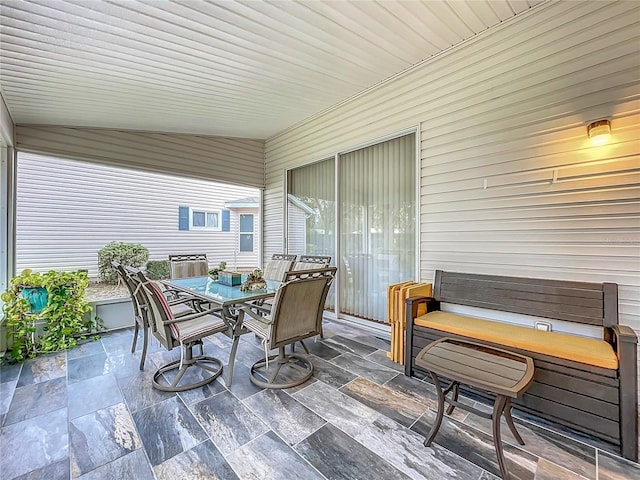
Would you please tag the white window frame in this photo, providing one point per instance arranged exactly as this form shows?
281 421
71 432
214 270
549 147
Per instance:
218 213
252 232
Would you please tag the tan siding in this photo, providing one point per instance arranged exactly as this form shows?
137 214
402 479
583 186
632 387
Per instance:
510 108
68 210
230 160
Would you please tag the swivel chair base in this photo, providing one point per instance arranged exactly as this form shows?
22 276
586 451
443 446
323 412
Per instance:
210 367
296 362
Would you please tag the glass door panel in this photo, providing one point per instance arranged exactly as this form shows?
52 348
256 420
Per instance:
311 207
377 224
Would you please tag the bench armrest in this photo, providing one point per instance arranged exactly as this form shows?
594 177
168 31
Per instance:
624 341
413 302
623 333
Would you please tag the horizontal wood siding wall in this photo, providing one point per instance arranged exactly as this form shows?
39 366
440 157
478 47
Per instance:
230 160
509 108
67 210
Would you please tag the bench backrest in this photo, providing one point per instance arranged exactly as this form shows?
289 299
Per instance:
580 302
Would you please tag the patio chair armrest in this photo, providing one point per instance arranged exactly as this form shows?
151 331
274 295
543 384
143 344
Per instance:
259 318
195 315
260 308
179 300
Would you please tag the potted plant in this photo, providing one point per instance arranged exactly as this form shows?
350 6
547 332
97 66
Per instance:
60 312
214 272
254 281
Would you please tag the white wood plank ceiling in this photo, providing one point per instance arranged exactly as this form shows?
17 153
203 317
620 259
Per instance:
233 68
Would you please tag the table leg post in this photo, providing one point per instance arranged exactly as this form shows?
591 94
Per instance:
440 413
454 397
232 359
498 409
509 419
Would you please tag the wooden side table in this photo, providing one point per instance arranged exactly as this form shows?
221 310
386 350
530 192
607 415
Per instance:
505 374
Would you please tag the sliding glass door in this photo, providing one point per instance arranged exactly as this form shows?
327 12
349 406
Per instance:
373 240
311 212
377 224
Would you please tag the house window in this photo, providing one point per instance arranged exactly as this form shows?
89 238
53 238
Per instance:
205 220
197 219
246 232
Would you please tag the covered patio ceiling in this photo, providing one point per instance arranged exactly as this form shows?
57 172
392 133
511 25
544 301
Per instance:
229 68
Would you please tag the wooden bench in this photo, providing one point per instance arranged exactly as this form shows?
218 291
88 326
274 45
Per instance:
586 384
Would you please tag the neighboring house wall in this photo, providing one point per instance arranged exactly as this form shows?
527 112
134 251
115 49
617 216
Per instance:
238 161
67 210
510 107
297 234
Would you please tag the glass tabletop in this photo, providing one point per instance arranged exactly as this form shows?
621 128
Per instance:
219 293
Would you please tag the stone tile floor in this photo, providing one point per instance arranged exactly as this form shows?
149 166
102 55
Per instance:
90 413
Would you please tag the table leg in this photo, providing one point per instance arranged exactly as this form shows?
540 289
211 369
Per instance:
509 419
232 358
498 409
440 413
235 326
454 396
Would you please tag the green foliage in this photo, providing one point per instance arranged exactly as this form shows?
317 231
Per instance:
221 267
126 254
62 316
158 269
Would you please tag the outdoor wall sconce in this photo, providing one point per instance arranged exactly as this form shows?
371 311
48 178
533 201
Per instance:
599 132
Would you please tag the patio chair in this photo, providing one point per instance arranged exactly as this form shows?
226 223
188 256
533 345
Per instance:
312 262
278 266
185 332
296 314
178 307
188 265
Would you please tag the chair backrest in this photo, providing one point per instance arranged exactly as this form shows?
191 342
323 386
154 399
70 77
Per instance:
137 298
311 262
298 306
157 308
188 265
278 266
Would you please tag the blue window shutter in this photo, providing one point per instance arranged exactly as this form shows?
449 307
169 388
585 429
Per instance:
226 221
183 218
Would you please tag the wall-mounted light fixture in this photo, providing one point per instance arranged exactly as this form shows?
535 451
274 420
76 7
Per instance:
599 132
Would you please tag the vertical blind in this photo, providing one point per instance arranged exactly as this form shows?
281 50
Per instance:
311 209
377 224
311 213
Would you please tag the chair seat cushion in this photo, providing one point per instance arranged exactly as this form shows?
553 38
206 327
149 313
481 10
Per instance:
256 326
590 351
198 328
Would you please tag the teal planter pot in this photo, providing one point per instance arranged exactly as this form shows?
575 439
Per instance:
37 298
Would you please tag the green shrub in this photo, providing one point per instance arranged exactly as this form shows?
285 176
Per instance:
126 254
158 269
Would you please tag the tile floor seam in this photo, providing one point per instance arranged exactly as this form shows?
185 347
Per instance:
144 450
210 436
280 436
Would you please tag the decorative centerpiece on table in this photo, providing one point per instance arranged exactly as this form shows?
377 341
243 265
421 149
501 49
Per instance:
216 271
254 281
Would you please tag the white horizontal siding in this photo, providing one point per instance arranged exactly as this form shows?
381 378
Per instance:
67 210
230 160
509 108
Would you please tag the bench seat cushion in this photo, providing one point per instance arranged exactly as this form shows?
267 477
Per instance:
570 347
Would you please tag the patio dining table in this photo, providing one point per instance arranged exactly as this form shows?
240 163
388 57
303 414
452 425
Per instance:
228 298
